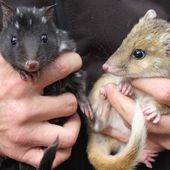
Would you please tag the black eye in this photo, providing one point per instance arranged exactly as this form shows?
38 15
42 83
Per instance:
44 38
138 54
13 40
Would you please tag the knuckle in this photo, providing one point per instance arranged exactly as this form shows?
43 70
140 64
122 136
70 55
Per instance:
72 103
20 111
14 136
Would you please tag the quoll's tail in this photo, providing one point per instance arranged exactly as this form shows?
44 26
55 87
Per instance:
128 157
48 158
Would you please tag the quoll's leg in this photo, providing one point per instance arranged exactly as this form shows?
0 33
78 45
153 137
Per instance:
76 84
101 114
150 152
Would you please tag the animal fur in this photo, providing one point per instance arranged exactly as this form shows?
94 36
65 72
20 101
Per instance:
152 35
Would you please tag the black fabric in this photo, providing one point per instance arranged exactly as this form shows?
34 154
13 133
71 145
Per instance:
98 27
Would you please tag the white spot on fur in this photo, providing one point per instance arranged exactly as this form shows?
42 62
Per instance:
30 21
21 14
17 25
41 9
152 49
162 38
57 31
149 37
168 29
18 11
78 74
168 40
34 10
145 64
157 60
63 46
44 20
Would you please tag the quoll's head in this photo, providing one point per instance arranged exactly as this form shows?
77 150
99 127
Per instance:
28 37
145 52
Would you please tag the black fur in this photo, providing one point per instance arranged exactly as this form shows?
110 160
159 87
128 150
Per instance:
27 25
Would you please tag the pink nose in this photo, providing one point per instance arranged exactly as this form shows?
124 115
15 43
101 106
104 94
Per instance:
106 67
32 65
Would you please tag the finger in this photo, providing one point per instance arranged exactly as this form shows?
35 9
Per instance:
44 134
45 108
61 156
60 68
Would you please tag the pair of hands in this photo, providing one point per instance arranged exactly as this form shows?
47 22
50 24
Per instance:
24 112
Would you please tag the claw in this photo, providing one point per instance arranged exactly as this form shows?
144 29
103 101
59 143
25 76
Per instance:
29 76
86 109
148 157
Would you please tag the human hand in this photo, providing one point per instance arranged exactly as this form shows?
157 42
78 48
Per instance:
159 88
24 112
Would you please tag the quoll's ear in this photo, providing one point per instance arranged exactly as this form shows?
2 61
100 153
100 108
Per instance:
150 14
7 13
49 11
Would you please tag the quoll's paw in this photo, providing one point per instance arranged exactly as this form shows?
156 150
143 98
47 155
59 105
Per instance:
86 109
152 113
29 76
102 111
126 88
148 157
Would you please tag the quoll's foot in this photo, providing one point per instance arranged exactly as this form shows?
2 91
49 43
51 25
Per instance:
29 76
86 109
101 114
148 157
152 113
126 88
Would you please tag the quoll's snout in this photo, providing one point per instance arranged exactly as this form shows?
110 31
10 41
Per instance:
32 65
106 67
